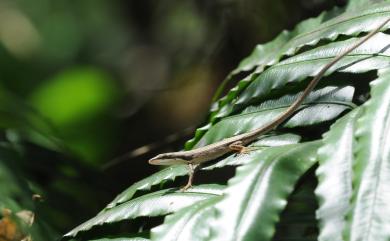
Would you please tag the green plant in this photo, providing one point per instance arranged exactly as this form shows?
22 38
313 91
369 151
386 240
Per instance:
339 138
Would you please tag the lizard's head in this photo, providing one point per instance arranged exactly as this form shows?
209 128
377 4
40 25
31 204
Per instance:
170 158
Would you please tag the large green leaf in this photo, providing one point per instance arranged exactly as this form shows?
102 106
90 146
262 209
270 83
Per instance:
252 202
153 204
370 56
257 194
369 217
358 4
333 99
350 23
264 54
169 173
191 223
335 176
268 54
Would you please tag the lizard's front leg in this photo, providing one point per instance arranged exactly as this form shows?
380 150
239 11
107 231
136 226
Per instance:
191 173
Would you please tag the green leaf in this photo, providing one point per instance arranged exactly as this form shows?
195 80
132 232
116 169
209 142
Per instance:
333 99
369 216
371 55
270 53
335 176
169 173
257 194
349 24
358 4
121 239
153 204
264 54
191 223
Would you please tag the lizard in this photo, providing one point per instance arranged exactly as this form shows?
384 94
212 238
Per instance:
193 158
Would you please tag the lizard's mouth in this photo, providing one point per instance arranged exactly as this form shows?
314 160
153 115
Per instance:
155 161
160 160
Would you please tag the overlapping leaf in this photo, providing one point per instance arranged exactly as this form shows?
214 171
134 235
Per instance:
350 23
153 204
369 217
374 54
333 99
268 54
169 173
335 176
254 198
263 54
258 193
358 4
192 223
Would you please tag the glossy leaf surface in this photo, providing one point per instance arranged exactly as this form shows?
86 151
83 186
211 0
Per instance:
191 223
334 191
334 99
370 56
258 193
369 217
153 204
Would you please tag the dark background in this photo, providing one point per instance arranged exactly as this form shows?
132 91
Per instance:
113 76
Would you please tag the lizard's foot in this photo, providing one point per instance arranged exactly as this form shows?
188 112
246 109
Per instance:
239 148
186 187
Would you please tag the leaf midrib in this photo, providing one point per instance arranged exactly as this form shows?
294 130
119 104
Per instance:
347 103
281 64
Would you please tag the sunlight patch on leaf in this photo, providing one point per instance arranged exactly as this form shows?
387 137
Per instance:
335 176
153 204
259 191
369 217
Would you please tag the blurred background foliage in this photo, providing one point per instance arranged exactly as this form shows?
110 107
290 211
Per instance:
83 82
